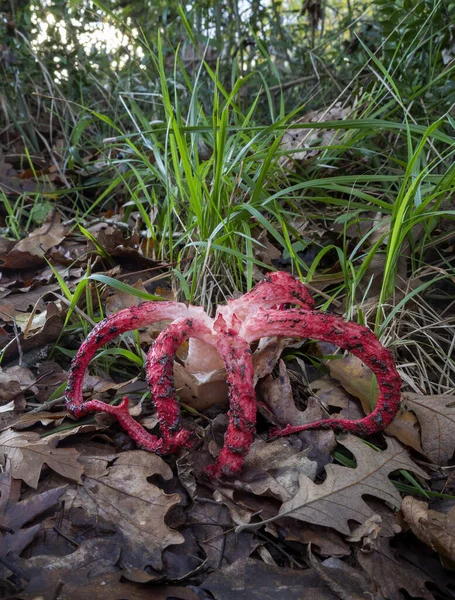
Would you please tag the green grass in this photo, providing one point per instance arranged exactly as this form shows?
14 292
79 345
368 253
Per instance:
197 161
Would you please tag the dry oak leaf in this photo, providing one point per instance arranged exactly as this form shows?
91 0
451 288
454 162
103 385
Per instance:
344 580
28 453
435 529
436 415
392 574
31 250
340 497
274 469
252 579
122 496
15 513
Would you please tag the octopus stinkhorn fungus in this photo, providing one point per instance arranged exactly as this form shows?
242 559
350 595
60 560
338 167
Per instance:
262 312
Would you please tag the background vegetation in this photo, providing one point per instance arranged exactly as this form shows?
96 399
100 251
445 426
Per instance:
172 120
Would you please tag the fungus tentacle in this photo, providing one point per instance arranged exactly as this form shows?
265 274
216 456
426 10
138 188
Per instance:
106 330
236 355
355 338
144 439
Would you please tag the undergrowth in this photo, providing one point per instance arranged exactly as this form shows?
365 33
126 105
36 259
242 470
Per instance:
194 158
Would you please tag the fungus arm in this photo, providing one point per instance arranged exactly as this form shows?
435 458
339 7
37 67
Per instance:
106 330
347 335
236 355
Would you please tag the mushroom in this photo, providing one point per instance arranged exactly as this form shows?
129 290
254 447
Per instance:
264 311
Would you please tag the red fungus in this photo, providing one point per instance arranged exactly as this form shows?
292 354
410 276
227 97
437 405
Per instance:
260 313
120 322
236 355
355 338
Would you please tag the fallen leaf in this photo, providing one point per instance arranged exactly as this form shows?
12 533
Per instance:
254 580
306 138
267 354
32 249
47 576
21 300
264 250
15 513
344 580
28 453
123 496
55 316
392 574
13 183
274 469
220 545
277 394
436 415
434 528
339 498
13 382
326 541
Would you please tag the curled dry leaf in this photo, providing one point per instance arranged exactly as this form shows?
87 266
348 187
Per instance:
121 495
306 139
435 529
49 332
274 469
339 498
31 250
436 415
28 453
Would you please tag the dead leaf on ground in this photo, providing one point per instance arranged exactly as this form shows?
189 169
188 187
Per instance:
47 575
49 332
15 513
306 139
21 301
32 249
265 251
344 580
392 574
212 527
339 498
278 396
436 415
434 528
331 392
13 382
254 580
274 469
123 496
28 453
325 541
16 184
